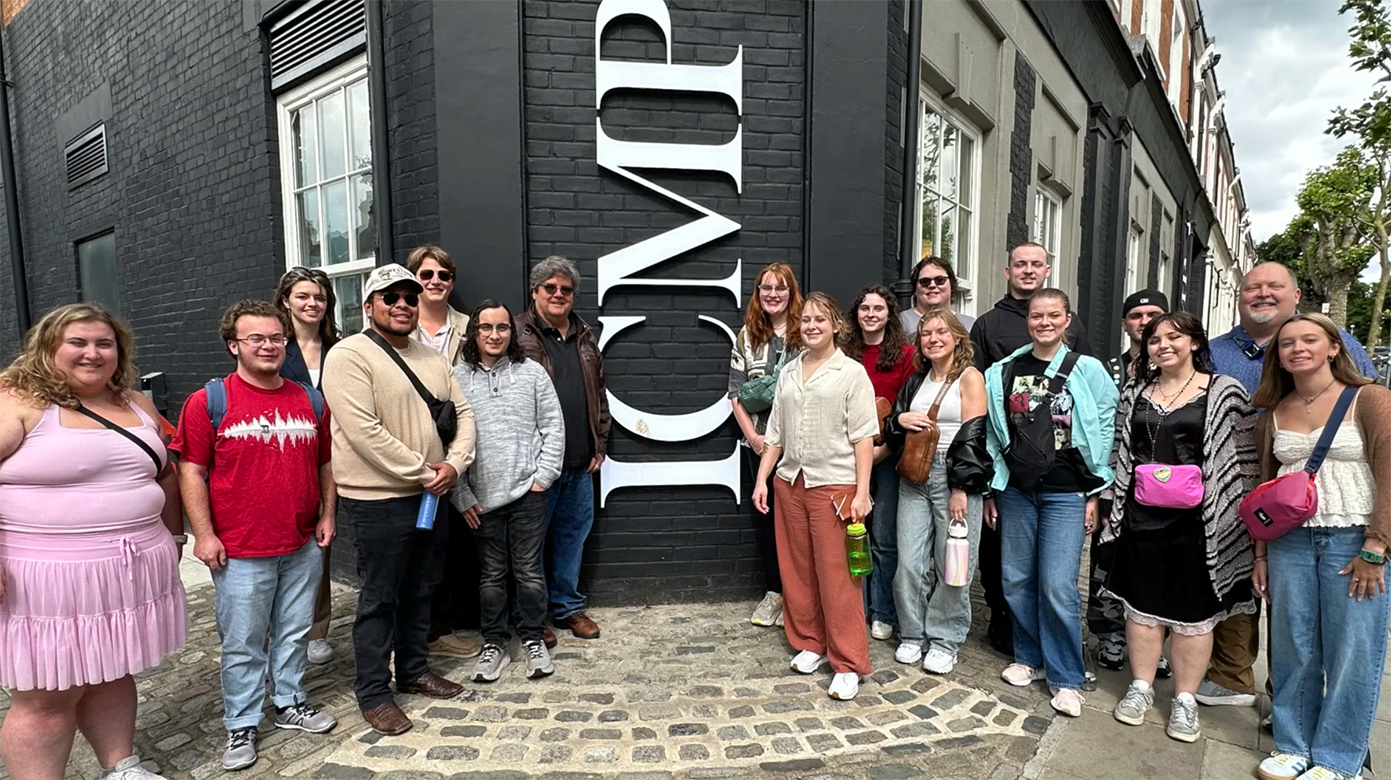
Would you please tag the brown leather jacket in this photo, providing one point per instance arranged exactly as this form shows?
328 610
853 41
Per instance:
591 362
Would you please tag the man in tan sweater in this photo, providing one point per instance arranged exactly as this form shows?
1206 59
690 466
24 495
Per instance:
387 452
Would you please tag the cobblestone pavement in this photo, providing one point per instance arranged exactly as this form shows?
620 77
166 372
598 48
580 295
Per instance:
675 691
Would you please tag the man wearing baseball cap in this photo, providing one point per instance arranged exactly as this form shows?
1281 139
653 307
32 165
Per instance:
1137 311
389 448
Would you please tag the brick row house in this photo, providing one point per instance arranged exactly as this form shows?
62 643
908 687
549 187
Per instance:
173 157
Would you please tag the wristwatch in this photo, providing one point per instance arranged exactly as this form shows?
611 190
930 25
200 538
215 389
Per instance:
1376 558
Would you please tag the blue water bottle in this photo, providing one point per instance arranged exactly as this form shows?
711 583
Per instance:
429 504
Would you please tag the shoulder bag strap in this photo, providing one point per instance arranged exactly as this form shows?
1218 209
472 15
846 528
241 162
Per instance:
84 411
1330 429
937 402
426 395
1064 371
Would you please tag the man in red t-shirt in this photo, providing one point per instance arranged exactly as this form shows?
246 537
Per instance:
258 490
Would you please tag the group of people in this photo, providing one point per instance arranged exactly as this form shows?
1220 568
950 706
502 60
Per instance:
428 428
997 445
1035 446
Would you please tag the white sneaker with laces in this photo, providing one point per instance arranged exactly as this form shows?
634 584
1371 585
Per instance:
1068 701
808 662
844 686
129 769
1324 773
1020 675
1138 699
767 611
908 652
1282 766
1214 695
320 651
939 661
1183 719
881 630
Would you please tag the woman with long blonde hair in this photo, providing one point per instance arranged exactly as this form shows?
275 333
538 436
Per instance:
765 343
91 532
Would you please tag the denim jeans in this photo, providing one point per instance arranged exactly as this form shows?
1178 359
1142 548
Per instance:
510 538
569 516
260 604
1041 537
930 612
398 568
1327 651
883 541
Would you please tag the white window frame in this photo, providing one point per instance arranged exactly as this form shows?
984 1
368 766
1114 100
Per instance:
966 261
1177 36
286 104
1047 230
1134 254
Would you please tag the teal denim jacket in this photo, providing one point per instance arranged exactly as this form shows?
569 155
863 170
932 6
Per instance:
1094 398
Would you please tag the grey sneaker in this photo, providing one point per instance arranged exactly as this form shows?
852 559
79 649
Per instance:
491 663
538 660
241 749
1214 695
768 610
129 769
303 717
1132 707
1183 719
320 651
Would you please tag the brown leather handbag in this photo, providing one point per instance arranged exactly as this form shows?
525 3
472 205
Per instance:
919 447
883 407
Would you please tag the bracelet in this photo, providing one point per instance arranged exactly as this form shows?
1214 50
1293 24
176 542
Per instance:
1260 558
180 538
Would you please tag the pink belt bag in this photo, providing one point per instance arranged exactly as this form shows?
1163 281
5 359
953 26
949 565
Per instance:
1285 503
1173 487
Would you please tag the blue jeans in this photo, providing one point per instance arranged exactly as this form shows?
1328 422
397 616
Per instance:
1327 651
930 612
260 603
883 541
1041 537
569 516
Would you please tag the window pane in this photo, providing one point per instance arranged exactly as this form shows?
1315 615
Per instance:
966 167
364 218
306 148
310 253
360 120
947 241
349 292
965 240
100 279
336 221
929 227
930 169
333 135
951 161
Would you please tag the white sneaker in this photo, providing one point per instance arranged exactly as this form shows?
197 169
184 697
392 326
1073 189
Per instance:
129 769
768 610
1020 675
1324 773
1214 695
808 662
844 686
908 652
939 661
320 651
1282 766
1068 701
881 631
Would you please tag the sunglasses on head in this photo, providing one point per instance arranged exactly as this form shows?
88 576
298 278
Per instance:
932 281
429 273
390 298
552 288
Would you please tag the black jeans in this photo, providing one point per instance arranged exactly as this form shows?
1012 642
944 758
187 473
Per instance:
454 606
765 537
1001 628
512 536
398 567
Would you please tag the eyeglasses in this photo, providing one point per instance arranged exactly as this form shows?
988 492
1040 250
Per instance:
260 340
390 298
932 281
502 328
552 288
429 273
773 288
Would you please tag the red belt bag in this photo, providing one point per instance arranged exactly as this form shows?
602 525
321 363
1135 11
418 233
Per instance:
1285 503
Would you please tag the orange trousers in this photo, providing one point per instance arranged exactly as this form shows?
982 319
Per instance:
822 606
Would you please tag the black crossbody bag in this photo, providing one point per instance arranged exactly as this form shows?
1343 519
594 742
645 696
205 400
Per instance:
85 412
441 411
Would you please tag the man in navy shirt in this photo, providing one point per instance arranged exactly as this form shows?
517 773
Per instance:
1269 296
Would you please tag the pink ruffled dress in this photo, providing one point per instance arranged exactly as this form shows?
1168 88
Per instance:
92 588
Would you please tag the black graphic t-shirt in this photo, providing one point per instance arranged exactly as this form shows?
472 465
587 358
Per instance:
1029 390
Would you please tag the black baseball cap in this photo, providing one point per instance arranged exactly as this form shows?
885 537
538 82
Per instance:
1144 298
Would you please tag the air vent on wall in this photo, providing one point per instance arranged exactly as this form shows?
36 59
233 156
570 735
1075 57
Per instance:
313 36
85 156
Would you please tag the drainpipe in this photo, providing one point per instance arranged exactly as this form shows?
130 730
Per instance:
907 228
381 146
21 284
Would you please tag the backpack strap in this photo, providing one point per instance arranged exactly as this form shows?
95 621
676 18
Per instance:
1330 429
217 401
316 399
1060 379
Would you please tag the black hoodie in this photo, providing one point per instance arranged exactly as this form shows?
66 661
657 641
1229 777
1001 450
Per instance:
1004 329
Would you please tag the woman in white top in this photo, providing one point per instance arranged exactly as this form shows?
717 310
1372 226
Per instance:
932 614
1326 580
820 436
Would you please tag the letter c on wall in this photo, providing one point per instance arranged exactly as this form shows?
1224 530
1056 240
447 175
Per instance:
664 427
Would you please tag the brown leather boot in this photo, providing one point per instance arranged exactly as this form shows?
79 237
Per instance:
432 685
580 625
549 637
387 719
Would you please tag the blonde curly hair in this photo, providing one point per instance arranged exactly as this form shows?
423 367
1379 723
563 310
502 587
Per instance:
33 374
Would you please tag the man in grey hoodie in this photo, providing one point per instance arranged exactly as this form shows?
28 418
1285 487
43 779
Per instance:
520 447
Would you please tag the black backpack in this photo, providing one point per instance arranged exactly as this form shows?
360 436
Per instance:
1031 450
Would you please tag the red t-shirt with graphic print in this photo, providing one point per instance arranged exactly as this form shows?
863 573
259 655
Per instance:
263 465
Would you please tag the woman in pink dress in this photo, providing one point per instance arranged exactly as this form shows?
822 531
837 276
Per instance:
89 572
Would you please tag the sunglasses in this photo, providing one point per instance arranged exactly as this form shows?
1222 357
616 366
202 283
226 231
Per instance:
390 298
429 273
564 289
932 281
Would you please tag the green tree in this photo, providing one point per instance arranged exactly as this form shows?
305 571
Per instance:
1336 198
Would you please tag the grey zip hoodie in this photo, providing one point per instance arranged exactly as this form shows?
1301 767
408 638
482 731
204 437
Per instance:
520 436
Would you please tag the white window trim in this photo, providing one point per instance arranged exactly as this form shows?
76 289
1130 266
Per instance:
966 272
1052 244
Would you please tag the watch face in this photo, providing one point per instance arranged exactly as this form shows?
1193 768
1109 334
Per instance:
1371 557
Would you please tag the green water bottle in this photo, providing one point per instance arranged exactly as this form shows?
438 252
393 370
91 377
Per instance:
857 549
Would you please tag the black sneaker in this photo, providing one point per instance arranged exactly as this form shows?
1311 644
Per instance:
1163 671
1110 655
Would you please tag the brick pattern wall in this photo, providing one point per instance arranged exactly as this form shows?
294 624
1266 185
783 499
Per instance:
683 543
1156 227
1021 156
899 102
410 94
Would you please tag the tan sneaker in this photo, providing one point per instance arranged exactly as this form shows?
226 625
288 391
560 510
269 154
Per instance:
455 645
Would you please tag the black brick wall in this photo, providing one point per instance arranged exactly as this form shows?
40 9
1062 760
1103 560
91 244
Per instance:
410 95
683 543
897 102
1021 156
1156 227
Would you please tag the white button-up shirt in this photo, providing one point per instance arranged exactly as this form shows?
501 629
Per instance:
818 422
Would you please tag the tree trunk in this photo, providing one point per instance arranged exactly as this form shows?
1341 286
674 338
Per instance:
1337 286
1379 298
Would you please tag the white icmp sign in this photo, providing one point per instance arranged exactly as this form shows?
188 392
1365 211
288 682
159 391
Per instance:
619 267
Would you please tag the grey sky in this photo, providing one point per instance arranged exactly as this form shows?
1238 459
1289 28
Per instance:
1284 68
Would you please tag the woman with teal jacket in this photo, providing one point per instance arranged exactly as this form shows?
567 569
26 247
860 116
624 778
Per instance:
1052 416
